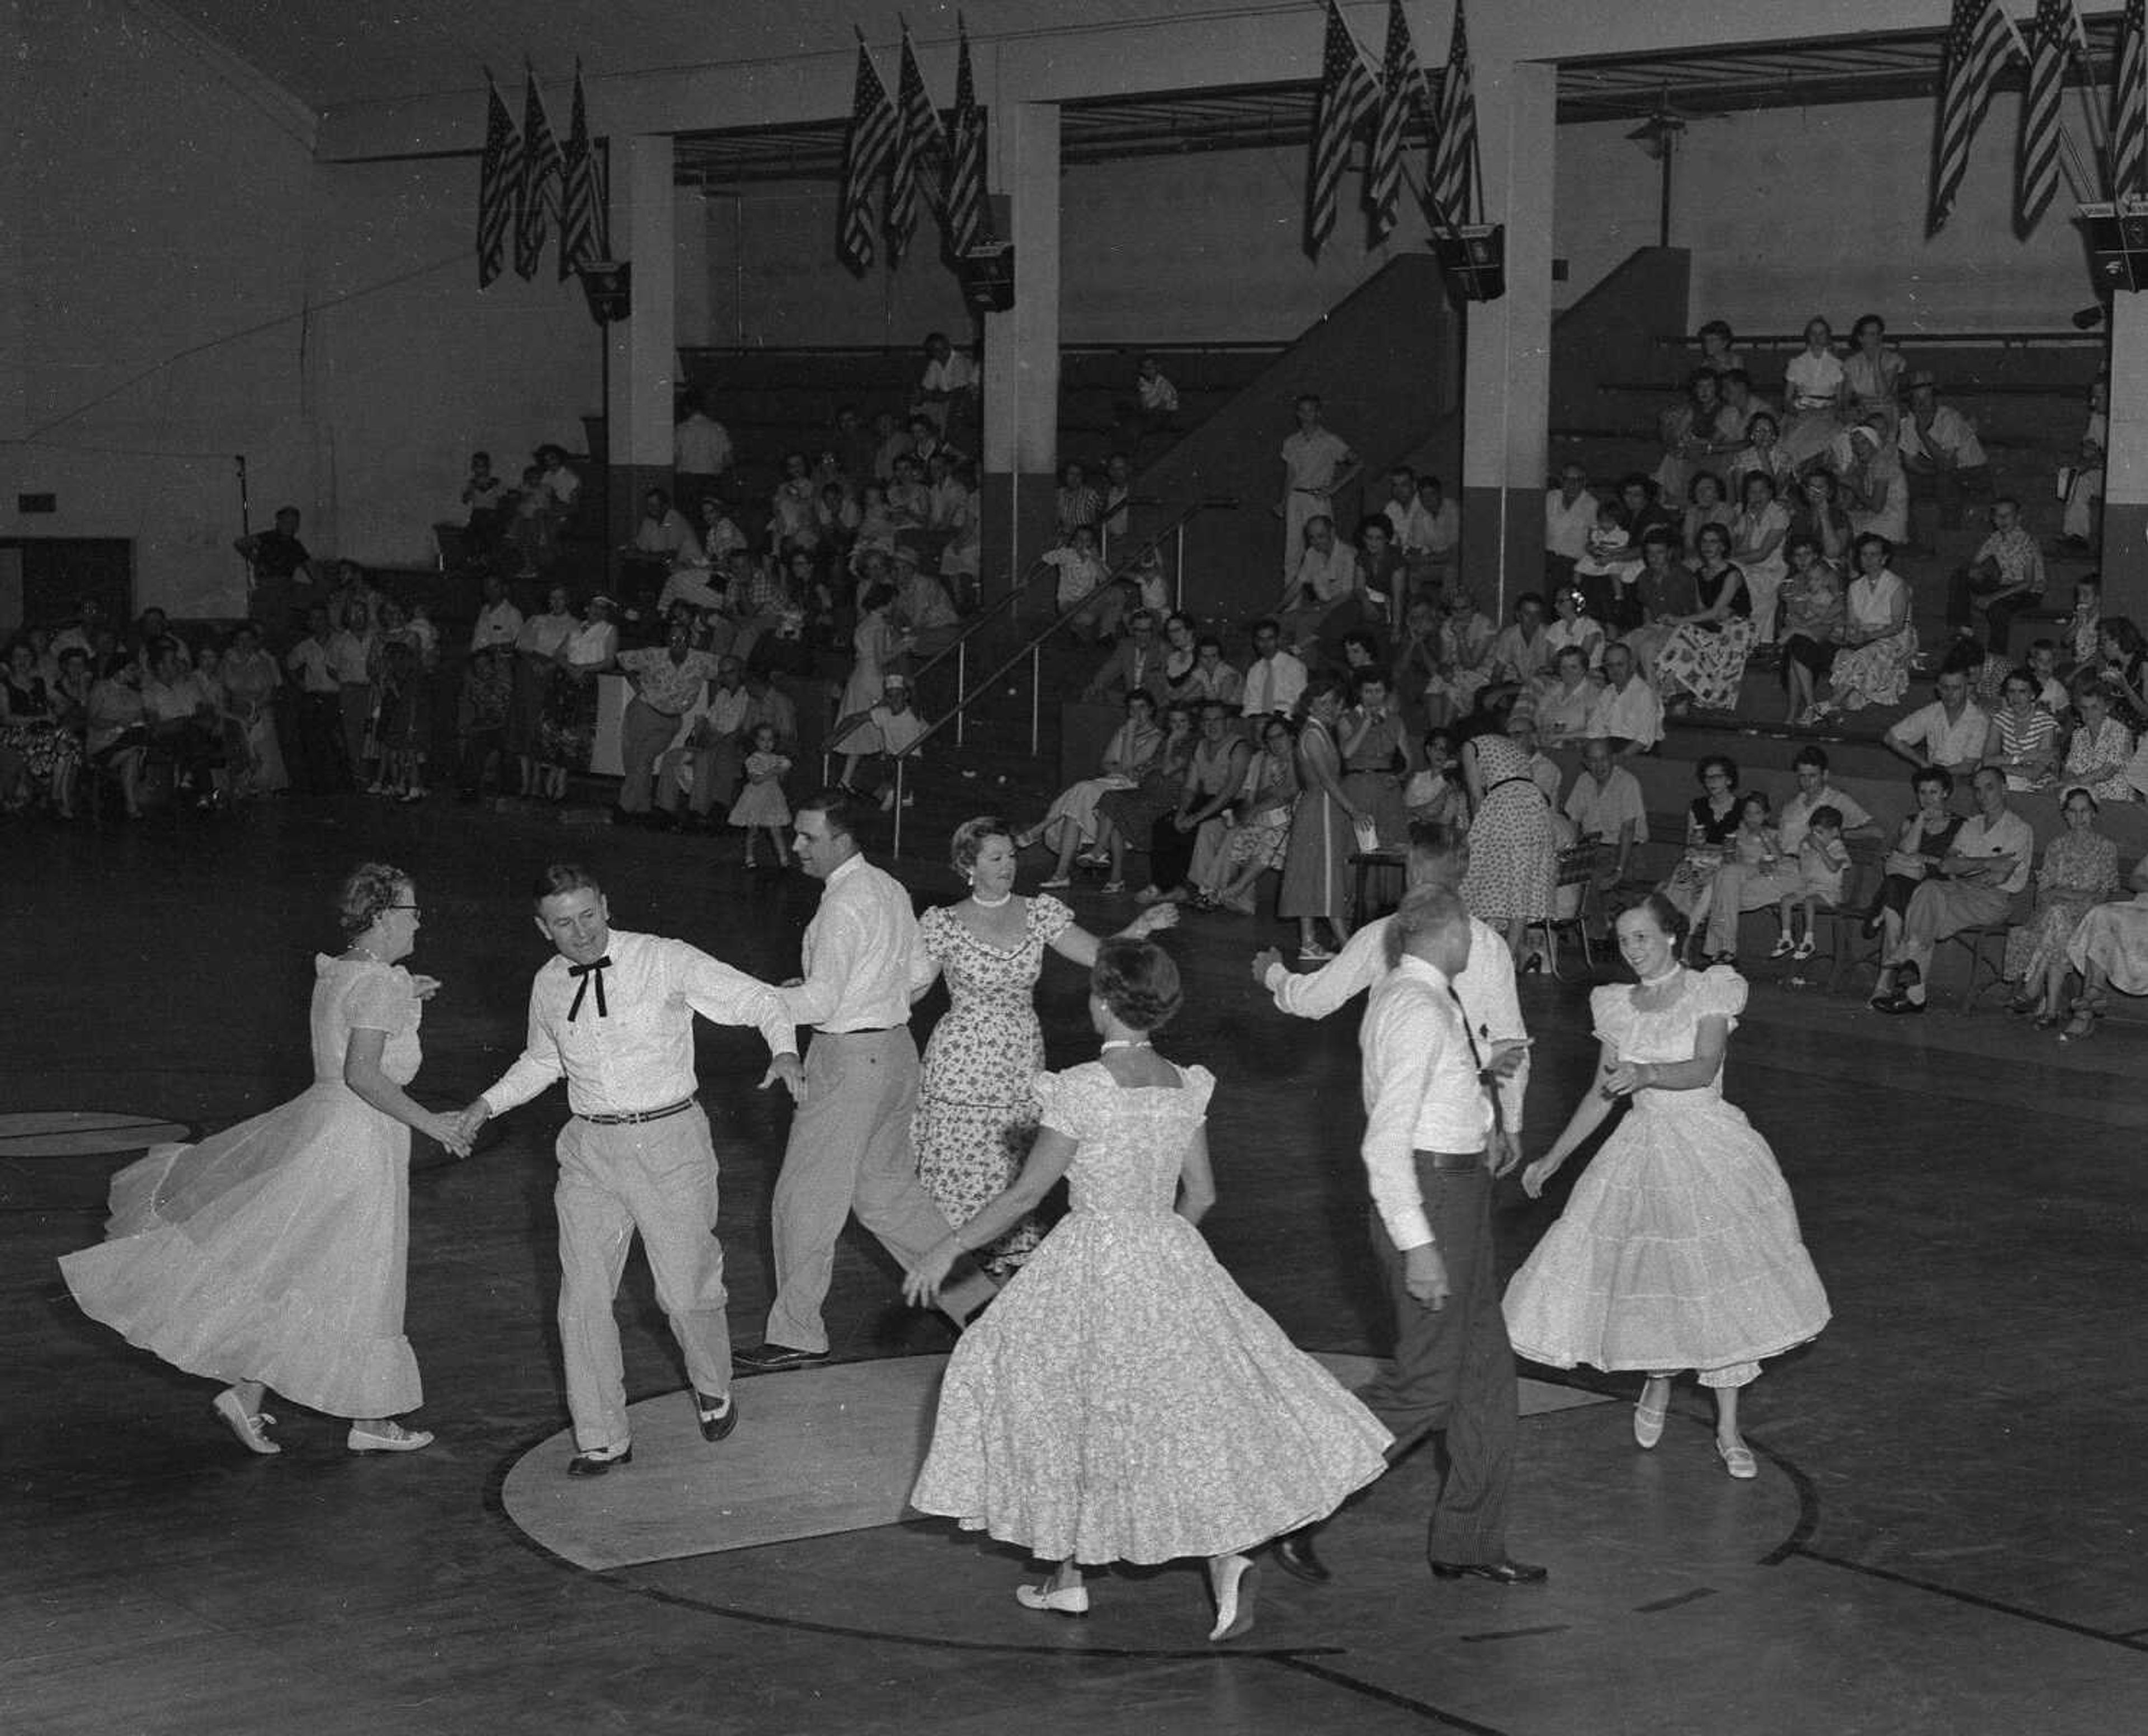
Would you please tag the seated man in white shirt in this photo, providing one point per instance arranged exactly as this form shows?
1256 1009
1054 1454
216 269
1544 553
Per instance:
1739 887
1945 460
708 751
1275 678
1628 712
1606 807
948 387
1328 579
1975 885
1950 732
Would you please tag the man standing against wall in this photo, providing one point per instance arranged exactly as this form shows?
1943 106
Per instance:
1316 466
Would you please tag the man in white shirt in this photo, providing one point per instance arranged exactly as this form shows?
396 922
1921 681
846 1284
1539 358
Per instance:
708 750
1606 807
1951 732
613 1015
1741 887
700 453
1432 1149
850 1150
949 383
500 622
1974 885
1328 575
1275 678
1569 516
1318 466
1628 712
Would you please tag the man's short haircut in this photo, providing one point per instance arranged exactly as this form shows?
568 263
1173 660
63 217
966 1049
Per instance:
1208 642
838 808
1428 910
1815 757
1378 521
1266 624
2008 500
1430 842
2043 644
556 878
1739 374
1717 328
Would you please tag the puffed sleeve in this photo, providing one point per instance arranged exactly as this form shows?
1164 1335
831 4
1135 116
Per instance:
1611 1014
382 1001
1049 918
933 928
1064 1100
1200 1085
1720 994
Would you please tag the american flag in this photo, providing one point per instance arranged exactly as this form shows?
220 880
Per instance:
1403 93
2055 41
873 129
919 141
1978 45
2129 111
1348 92
534 195
1450 183
499 177
967 222
584 225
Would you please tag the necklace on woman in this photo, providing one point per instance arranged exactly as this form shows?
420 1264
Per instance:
984 903
366 953
1124 1042
1657 982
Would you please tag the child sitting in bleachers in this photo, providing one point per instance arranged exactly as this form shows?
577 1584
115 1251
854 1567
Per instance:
1823 863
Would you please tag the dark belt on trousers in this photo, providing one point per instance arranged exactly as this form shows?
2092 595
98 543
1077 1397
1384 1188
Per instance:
862 1030
1451 1160
634 1116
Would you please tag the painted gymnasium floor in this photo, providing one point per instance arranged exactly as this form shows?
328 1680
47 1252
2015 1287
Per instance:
1945 1535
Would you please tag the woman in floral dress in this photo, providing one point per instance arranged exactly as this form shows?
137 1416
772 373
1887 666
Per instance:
976 1114
1123 1399
1703 662
2079 871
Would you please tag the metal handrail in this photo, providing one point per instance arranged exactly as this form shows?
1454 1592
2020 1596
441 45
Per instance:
2065 336
1032 649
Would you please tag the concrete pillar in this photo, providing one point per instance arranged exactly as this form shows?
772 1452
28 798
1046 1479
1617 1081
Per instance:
1506 447
644 347
2125 463
1021 347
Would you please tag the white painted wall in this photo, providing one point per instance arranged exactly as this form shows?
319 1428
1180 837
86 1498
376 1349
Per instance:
1792 212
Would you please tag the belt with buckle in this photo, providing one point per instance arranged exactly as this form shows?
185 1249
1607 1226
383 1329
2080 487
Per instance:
862 1030
635 1117
1452 1160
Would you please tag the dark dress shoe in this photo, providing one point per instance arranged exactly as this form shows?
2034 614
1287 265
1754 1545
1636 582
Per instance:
598 1464
1899 1004
770 1358
1293 1554
1499 1573
716 1422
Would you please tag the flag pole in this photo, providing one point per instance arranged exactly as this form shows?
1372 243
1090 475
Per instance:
2077 174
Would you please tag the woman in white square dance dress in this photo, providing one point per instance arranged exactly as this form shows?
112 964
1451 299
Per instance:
1679 1247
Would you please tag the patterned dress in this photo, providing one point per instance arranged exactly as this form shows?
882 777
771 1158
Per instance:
275 1251
1513 860
1679 1247
2080 870
1123 1399
1707 660
976 1113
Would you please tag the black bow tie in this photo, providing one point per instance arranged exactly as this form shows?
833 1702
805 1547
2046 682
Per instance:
588 973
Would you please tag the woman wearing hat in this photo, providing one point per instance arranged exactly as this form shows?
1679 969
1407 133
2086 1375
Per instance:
570 723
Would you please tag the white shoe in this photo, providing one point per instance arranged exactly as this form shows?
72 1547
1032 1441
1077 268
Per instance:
252 1428
1231 1583
386 1437
1067 1600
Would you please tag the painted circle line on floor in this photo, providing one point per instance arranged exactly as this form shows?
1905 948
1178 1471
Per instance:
84 1133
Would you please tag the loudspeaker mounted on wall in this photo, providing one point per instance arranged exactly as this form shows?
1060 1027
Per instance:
988 276
2117 244
609 283
1473 258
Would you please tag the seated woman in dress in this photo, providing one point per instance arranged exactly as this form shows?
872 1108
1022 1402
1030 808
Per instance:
1679 1248
1869 480
1436 794
1812 627
1872 373
1706 504
1763 455
1564 701
1878 644
1756 548
1124 817
117 733
1816 396
39 755
1574 625
1921 843
2079 869
2101 747
1703 662
1463 667
1067 1423
1658 586
2109 947
1215 773
2122 661
2023 741
1070 823
1688 430
1816 512
1259 836
1711 820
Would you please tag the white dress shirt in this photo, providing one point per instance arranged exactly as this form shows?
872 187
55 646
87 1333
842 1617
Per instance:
497 624
1632 713
1329 577
1486 986
864 957
637 1054
2009 835
1421 1092
1946 741
1273 684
